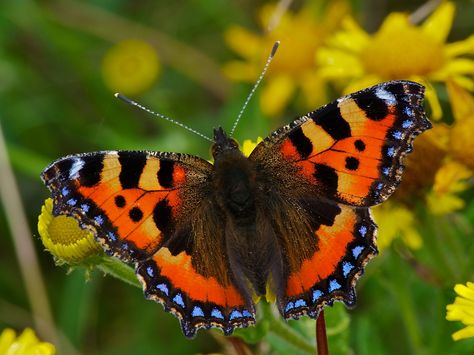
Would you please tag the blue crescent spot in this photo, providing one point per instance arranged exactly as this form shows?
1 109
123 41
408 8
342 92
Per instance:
289 306
124 246
357 250
217 314
150 271
386 171
409 112
334 285
247 314
112 236
65 191
346 268
316 295
397 135
235 314
363 231
197 312
391 151
85 207
99 219
300 303
379 186
71 202
178 299
163 288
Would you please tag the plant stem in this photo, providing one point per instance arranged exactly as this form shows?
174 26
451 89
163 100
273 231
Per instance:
286 332
321 337
119 270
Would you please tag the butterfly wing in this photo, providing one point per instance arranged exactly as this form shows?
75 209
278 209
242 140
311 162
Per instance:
153 209
330 166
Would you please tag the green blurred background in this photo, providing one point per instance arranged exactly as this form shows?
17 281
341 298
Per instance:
54 101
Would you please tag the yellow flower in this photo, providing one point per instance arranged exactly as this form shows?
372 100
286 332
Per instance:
396 221
130 67
248 146
463 310
25 344
449 180
64 239
461 142
400 50
300 34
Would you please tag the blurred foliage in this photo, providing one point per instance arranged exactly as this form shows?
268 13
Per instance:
54 101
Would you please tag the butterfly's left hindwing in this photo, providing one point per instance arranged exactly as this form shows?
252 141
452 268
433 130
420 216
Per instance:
153 209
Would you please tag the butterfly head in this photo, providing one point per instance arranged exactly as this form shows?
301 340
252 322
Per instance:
223 143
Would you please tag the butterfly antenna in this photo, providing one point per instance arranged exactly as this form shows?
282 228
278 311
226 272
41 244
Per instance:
146 109
267 64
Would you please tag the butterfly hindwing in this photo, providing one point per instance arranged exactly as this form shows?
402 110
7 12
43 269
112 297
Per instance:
150 208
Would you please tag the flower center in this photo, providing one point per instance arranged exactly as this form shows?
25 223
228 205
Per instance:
402 51
66 231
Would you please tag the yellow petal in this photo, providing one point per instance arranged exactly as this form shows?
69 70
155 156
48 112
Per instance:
243 42
336 64
464 82
353 39
443 204
465 291
313 87
361 83
459 66
6 339
432 99
240 71
462 102
438 25
458 48
451 178
276 94
467 332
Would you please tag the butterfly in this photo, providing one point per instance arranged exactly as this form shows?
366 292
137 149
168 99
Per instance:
292 219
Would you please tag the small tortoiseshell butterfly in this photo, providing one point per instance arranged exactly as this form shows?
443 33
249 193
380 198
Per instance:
293 218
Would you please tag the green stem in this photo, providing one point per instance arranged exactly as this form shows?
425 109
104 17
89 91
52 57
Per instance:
119 270
285 332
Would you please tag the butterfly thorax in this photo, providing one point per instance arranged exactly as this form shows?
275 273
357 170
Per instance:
234 179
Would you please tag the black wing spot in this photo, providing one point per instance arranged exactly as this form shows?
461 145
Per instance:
359 145
135 214
352 163
120 201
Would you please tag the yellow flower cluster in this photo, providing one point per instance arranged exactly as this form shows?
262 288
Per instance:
400 50
300 35
463 310
27 343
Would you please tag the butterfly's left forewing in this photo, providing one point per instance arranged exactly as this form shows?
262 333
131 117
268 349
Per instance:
332 164
153 209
